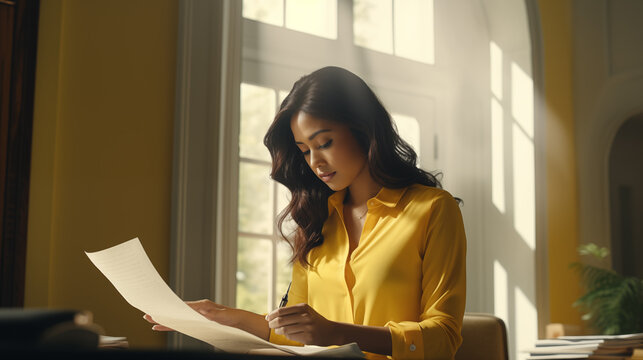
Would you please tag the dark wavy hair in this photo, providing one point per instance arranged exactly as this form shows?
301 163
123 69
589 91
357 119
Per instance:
334 94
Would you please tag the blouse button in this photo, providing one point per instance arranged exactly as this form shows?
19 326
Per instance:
412 347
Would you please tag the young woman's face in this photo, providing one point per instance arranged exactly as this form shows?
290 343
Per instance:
330 149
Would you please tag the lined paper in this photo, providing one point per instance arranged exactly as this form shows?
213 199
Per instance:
130 270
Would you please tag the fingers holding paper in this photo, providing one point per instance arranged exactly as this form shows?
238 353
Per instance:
156 326
210 310
303 324
224 315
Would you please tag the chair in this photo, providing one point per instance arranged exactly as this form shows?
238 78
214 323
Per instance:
484 337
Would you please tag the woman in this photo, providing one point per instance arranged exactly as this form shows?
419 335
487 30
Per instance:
379 251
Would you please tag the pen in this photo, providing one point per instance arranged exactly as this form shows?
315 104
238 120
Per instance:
284 299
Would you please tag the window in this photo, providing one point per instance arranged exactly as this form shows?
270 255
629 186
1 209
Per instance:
487 156
262 260
275 32
315 17
400 27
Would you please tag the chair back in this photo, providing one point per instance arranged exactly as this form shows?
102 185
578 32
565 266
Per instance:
484 337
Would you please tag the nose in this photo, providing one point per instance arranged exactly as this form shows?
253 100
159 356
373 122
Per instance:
316 159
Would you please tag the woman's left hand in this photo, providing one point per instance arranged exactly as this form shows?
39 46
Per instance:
303 324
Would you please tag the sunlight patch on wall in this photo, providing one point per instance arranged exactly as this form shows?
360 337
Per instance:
522 109
524 187
522 99
497 129
526 323
500 293
497 156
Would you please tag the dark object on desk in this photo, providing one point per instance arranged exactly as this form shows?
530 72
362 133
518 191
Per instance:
145 354
484 337
47 329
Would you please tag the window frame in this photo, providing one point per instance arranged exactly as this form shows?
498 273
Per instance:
204 159
274 63
215 50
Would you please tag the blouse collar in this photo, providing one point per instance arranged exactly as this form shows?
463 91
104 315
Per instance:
386 196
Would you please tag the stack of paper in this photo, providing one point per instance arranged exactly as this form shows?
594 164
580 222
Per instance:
129 269
112 342
594 347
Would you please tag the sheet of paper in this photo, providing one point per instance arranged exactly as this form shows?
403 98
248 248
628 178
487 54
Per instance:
563 349
603 337
559 357
129 269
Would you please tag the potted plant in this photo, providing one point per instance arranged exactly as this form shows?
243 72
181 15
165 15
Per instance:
613 303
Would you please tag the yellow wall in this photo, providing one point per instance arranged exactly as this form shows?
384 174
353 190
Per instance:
562 188
102 151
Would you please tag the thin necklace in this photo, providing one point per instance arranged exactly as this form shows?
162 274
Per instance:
364 214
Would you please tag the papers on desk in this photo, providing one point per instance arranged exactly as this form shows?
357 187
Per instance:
112 342
129 269
593 347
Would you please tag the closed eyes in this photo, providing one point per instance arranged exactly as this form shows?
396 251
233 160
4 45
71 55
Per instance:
327 144
323 146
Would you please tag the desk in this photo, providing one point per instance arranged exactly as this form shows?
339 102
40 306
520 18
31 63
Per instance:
141 354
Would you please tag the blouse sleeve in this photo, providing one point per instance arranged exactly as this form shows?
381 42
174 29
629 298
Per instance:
298 294
437 334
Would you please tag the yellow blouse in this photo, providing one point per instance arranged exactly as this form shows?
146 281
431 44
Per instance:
407 272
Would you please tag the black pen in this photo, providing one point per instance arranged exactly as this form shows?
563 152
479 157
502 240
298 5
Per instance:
284 299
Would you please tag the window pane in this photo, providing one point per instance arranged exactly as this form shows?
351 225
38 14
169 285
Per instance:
373 24
282 95
254 269
257 112
283 198
268 11
414 35
317 17
409 130
284 269
255 198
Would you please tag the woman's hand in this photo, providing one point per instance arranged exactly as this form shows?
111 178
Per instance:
224 315
220 313
156 326
303 324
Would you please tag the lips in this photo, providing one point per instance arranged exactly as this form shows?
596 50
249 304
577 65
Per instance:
326 177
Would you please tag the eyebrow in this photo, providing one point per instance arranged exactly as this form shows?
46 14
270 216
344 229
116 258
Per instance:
314 134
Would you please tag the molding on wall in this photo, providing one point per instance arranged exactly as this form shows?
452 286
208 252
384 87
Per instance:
607 41
618 103
17 89
206 113
542 255
604 100
228 169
